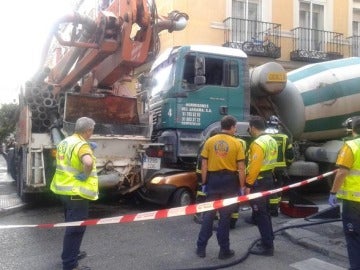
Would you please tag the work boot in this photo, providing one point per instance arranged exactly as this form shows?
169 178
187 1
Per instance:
260 249
223 255
201 252
81 255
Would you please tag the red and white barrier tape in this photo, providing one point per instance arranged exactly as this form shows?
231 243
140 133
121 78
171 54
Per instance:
172 212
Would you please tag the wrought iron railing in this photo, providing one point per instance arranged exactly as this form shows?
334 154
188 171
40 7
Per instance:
253 37
354 45
313 45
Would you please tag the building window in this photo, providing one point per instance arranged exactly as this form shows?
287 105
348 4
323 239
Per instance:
311 15
356 22
311 19
248 11
356 29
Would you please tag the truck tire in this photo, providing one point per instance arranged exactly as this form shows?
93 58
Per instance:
181 197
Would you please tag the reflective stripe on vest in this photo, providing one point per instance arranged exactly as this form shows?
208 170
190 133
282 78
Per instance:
73 170
281 141
350 189
270 148
68 166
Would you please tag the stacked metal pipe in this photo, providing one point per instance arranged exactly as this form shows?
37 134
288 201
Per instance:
42 104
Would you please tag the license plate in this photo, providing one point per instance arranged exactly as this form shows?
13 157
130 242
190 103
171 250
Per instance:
151 163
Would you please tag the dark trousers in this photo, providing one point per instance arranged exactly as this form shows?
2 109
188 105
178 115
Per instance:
261 211
351 225
279 175
75 209
219 186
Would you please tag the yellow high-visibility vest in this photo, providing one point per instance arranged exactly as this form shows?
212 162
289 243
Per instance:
68 165
350 189
270 148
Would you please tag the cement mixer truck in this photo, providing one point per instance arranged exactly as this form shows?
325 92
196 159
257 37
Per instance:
190 88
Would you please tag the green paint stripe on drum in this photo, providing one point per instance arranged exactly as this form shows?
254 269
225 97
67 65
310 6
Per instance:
334 91
328 123
321 67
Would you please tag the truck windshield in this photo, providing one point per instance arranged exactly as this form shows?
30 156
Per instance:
163 77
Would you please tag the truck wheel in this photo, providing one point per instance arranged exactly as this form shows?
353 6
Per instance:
181 197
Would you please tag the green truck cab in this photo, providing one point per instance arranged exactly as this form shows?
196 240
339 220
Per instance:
193 87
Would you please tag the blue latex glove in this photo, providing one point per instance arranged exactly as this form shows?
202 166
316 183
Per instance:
204 189
81 177
93 145
332 200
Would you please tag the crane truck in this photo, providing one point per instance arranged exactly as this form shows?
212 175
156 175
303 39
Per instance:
192 87
84 72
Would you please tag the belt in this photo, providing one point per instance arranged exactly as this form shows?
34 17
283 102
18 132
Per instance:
223 172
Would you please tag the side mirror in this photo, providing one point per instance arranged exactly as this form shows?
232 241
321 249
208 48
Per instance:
200 66
199 80
146 81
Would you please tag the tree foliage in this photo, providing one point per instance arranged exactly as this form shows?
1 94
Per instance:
8 118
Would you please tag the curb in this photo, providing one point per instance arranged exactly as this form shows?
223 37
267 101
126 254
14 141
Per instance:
12 209
10 203
335 248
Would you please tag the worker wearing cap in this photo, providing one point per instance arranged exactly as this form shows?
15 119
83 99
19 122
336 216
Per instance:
285 158
262 157
346 186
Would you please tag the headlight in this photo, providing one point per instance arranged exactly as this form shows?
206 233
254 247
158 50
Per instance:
157 180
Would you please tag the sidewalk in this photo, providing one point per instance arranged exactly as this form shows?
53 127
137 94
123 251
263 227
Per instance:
9 200
327 238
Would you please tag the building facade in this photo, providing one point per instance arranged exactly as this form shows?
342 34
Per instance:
292 32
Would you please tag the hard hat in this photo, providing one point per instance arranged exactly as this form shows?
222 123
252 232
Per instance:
348 124
273 121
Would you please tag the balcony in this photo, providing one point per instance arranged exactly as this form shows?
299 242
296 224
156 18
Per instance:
354 45
312 45
255 38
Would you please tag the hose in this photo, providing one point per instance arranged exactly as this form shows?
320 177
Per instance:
244 257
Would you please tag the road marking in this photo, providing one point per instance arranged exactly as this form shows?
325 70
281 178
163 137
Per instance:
315 264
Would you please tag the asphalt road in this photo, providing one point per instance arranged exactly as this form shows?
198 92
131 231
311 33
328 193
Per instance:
155 244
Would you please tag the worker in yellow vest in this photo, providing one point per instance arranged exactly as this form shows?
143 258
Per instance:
285 158
346 186
76 183
262 157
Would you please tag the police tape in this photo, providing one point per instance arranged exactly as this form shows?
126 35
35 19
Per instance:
172 212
